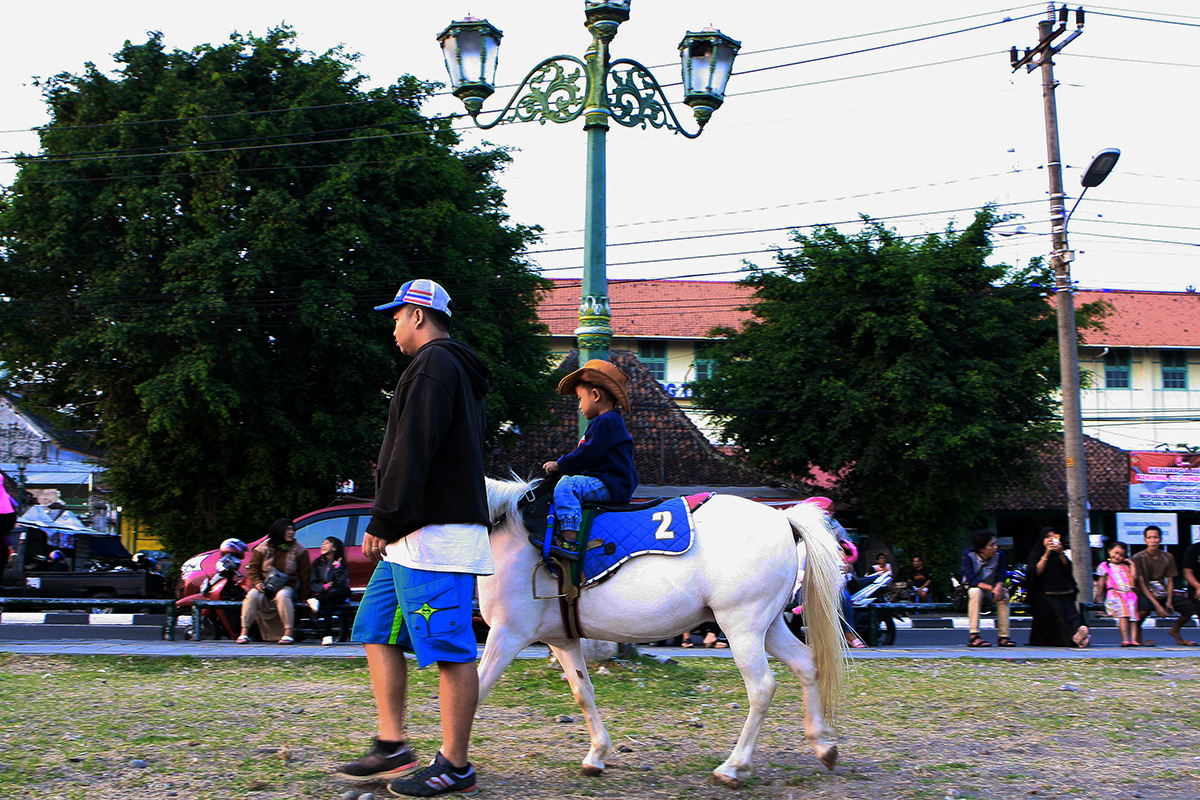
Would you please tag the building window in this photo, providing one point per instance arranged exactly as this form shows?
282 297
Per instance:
654 356
1174 369
702 363
1116 369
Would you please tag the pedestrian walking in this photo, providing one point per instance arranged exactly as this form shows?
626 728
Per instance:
428 538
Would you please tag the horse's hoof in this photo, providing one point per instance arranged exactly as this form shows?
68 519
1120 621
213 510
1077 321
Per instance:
727 782
588 771
829 757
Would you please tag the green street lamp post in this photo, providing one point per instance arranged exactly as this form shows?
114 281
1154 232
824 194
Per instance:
562 88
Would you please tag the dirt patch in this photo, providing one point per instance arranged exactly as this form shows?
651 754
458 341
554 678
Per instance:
93 727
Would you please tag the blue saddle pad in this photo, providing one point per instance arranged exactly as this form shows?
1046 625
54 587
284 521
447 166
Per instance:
665 528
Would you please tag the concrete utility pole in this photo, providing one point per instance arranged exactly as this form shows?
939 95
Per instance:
1076 466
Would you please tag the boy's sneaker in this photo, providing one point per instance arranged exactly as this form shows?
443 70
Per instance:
381 763
439 777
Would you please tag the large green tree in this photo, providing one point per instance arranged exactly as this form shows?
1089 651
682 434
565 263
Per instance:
922 372
189 266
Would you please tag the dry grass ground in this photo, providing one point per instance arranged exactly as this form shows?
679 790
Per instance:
71 727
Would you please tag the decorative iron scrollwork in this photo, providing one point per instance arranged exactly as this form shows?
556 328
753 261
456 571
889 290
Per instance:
636 99
553 91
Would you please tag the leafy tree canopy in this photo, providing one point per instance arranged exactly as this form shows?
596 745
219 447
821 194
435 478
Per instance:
925 373
190 264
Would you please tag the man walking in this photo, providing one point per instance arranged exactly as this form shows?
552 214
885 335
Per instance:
428 537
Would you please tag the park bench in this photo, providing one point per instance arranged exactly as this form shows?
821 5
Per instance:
166 605
235 606
907 609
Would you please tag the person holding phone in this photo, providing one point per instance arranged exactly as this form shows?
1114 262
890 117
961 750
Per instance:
1052 593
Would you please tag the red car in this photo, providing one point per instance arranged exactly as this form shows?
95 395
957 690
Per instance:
346 522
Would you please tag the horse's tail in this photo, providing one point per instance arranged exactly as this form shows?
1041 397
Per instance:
822 598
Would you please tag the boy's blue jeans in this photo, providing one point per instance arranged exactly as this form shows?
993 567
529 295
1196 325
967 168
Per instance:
569 493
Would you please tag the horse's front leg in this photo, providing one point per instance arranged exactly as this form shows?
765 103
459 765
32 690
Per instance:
787 648
570 655
751 660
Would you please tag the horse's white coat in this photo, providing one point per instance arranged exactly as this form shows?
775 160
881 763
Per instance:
740 572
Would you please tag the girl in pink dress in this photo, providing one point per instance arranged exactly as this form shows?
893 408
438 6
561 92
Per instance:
1117 579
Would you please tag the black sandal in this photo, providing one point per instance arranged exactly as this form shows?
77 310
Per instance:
978 641
1004 641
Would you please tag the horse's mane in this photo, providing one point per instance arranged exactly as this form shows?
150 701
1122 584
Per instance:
503 496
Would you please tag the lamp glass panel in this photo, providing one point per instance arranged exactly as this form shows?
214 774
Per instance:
698 66
491 57
470 48
453 64
722 67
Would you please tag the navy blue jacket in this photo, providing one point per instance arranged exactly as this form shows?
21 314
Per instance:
996 577
606 453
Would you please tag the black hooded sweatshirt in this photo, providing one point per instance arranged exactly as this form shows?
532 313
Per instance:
430 468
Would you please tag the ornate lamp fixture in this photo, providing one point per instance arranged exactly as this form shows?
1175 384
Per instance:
707 60
471 48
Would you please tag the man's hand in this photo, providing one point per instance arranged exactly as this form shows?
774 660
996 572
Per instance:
1000 593
372 547
551 467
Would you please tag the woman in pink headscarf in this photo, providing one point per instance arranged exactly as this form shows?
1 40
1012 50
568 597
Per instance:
849 556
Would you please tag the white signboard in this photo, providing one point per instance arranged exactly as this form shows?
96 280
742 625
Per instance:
1132 524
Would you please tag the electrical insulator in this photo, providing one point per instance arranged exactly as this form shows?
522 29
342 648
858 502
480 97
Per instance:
1062 14
1079 17
1013 57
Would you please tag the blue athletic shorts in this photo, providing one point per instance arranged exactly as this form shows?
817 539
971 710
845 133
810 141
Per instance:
426 613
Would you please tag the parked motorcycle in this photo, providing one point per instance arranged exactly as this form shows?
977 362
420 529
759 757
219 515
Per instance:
225 584
864 592
1014 581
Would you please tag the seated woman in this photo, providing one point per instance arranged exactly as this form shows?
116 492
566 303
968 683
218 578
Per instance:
278 572
330 585
1051 589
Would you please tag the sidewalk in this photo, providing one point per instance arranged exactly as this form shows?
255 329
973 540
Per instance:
227 649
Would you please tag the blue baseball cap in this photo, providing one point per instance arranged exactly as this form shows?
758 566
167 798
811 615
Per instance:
421 292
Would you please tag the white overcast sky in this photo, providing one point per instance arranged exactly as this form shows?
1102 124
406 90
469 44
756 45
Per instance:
917 135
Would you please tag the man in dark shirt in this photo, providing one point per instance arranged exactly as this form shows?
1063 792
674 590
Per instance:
428 537
920 581
1156 573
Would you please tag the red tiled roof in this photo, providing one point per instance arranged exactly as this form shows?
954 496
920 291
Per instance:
648 308
1144 319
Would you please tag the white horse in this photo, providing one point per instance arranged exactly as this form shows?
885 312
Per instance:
740 572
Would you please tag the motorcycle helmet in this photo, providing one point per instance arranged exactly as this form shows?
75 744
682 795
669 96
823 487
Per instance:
228 563
144 561
234 547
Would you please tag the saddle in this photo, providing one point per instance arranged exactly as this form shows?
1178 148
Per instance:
613 533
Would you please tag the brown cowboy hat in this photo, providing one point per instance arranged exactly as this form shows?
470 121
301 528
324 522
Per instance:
600 373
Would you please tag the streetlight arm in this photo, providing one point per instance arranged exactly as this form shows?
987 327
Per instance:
554 91
636 99
1067 219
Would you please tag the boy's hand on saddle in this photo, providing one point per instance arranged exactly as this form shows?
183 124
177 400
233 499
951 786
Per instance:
551 467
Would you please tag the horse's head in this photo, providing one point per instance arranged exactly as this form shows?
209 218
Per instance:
504 496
